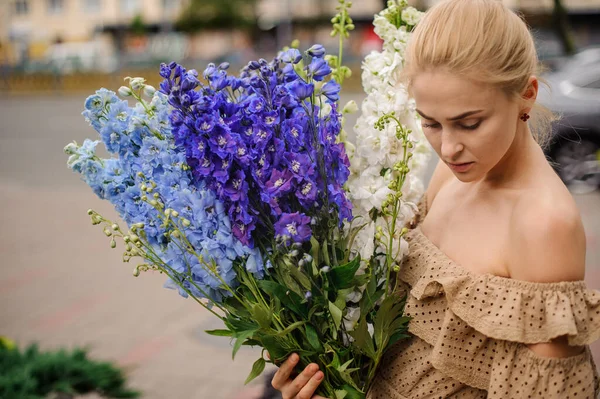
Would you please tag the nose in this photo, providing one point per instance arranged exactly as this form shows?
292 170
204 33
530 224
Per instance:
451 148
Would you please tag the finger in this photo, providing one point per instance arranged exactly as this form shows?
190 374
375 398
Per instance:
293 388
282 375
311 386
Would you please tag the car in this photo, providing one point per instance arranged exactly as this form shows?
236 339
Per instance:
574 95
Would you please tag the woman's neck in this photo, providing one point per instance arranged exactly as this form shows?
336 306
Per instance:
512 170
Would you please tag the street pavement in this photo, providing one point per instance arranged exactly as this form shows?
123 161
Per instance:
62 286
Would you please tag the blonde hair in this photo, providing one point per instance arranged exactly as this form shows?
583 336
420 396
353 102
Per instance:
484 41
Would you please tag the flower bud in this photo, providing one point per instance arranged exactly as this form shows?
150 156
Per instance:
174 213
149 91
186 222
125 91
115 227
90 212
71 148
107 232
113 243
325 269
350 107
137 83
154 202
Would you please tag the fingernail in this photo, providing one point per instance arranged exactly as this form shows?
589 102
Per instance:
319 376
294 358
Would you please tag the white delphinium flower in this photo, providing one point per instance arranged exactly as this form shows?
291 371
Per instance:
411 16
378 151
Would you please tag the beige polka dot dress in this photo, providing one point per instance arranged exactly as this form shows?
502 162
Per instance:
470 334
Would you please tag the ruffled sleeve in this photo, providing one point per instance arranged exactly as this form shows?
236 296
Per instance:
520 311
523 374
479 326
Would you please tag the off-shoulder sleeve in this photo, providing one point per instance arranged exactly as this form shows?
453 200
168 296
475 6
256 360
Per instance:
479 327
523 374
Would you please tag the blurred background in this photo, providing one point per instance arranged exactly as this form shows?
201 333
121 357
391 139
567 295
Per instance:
61 285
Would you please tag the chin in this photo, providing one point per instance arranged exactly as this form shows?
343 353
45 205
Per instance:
468 177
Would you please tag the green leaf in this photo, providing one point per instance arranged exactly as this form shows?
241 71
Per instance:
313 338
220 333
290 328
288 298
238 325
300 277
344 366
257 368
276 347
336 314
240 338
315 250
352 392
343 276
396 337
262 316
340 394
325 250
362 339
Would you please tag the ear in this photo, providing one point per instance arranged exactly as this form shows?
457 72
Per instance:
529 94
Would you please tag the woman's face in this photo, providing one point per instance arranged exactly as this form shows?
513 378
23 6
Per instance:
470 125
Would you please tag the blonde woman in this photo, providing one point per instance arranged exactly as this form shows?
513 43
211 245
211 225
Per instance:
495 272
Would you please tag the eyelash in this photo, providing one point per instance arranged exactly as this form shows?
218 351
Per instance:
437 125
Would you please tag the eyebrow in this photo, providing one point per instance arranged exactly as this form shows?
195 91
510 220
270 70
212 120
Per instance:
456 118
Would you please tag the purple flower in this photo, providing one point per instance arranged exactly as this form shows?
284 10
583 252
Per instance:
237 187
318 69
300 164
279 184
222 143
316 50
291 56
293 226
301 89
338 196
307 193
331 90
221 170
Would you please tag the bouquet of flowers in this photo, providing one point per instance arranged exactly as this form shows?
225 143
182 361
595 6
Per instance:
241 191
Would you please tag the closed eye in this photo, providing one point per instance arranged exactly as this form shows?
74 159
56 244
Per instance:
471 127
430 125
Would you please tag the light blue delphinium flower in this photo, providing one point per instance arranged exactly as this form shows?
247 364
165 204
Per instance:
146 154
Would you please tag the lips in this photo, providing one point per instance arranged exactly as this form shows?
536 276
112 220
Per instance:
460 167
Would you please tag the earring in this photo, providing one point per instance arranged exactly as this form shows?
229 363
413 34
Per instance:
525 117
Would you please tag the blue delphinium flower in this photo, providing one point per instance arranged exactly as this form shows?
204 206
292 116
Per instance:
293 226
260 143
142 140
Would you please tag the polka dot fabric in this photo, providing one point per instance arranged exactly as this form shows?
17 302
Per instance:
470 333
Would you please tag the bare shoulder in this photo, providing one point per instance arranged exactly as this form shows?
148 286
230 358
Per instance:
547 237
441 175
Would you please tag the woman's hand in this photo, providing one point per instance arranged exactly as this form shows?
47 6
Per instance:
301 387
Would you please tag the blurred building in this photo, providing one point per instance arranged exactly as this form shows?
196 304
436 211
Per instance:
83 34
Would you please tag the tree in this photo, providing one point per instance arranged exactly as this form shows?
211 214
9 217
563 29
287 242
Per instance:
215 14
563 27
